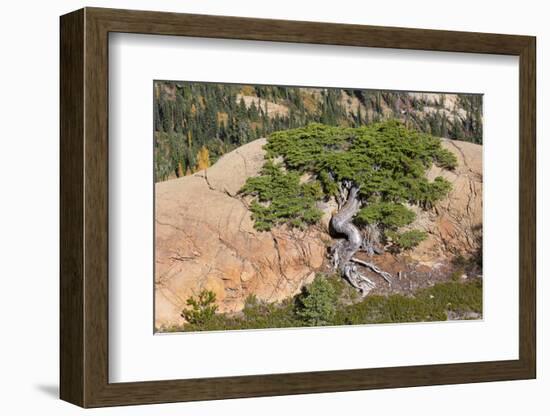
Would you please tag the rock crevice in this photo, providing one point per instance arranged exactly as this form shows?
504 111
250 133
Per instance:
205 239
205 236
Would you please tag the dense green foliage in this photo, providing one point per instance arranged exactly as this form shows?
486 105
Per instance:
391 214
256 314
428 304
191 115
202 310
386 160
407 239
317 303
281 198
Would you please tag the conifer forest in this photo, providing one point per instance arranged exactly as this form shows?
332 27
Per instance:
282 206
196 122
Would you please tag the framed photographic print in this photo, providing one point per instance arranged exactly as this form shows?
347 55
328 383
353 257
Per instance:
256 207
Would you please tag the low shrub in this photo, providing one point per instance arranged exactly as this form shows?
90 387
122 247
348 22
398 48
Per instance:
316 305
327 301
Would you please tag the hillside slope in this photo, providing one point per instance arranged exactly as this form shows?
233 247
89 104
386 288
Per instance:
205 237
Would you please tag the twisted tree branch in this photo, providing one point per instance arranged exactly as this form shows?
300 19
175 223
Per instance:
344 250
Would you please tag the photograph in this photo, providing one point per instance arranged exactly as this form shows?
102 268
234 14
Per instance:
292 206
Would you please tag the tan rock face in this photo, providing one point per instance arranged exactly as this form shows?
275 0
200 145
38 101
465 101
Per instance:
454 225
205 239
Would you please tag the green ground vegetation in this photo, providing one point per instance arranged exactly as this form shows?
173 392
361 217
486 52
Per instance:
329 301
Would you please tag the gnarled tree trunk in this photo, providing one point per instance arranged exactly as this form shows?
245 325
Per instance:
344 250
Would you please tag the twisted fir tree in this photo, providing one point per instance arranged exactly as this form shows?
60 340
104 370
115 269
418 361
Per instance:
373 172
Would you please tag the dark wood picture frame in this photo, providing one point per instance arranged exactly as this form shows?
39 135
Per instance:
84 207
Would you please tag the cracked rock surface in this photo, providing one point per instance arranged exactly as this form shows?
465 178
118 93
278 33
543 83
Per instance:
205 237
454 225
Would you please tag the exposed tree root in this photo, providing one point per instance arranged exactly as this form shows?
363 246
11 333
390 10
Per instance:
385 275
344 250
358 280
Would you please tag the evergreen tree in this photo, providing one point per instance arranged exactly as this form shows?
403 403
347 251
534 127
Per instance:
157 116
373 172
242 111
359 117
253 112
316 305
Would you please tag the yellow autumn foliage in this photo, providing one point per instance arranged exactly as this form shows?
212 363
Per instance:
203 158
179 170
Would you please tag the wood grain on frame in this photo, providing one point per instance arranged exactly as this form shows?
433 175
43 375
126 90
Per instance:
84 207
